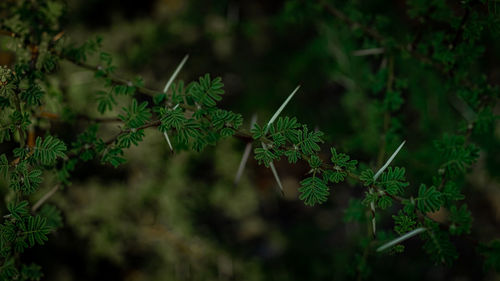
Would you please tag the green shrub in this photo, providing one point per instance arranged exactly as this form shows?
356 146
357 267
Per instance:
190 117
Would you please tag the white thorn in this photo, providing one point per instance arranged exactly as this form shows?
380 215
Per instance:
275 173
281 108
401 238
177 70
276 177
167 86
246 154
271 165
166 135
388 162
168 141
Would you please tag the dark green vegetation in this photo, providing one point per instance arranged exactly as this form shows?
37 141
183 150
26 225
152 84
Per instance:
86 168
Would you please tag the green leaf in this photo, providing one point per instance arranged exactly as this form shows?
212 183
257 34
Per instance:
31 181
36 229
64 173
384 202
403 223
367 177
308 141
429 199
124 90
105 101
392 101
18 210
21 152
342 164
172 118
335 176
285 127
8 232
457 155
370 197
20 244
342 160
106 58
159 98
133 137
258 131
439 247
22 179
47 150
293 155
8 270
113 156
491 253
31 272
227 132
52 215
22 119
191 131
313 190
485 121
315 162
451 192
393 180
32 95
226 122
461 220
178 92
264 155
206 91
136 115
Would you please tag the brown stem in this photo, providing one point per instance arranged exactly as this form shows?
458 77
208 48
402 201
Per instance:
115 79
56 117
153 123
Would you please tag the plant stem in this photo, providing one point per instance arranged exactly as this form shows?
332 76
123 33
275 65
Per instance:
240 133
44 198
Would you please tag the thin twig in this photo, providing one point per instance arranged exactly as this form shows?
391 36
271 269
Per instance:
153 123
56 117
44 198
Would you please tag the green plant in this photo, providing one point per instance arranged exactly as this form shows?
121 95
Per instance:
189 117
